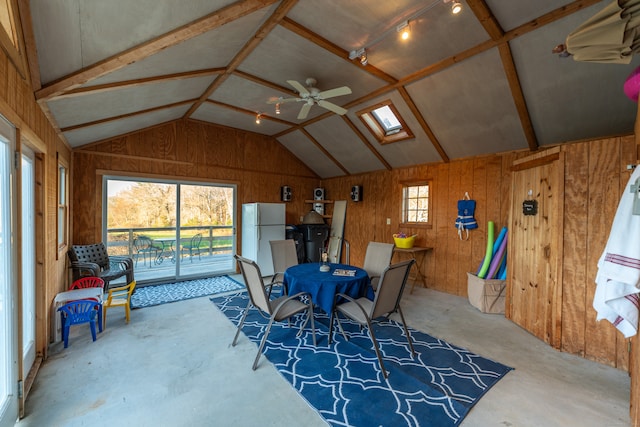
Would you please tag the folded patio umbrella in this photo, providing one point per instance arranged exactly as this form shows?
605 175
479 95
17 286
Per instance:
611 36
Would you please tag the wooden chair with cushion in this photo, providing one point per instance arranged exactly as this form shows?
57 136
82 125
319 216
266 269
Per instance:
93 260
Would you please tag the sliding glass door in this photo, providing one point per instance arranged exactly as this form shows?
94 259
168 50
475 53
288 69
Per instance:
8 297
172 230
28 261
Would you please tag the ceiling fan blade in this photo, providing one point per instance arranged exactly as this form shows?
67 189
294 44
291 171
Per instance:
332 107
304 111
297 86
339 91
282 100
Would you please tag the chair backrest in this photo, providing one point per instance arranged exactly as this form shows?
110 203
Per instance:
195 240
141 243
96 254
253 282
283 254
390 288
87 282
79 311
121 293
377 258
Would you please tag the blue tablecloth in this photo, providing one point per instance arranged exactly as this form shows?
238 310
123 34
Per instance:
323 286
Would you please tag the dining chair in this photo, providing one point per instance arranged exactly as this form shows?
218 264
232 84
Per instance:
78 312
386 301
192 247
143 246
119 297
283 255
376 259
278 309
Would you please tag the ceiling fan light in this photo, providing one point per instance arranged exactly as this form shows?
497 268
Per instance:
456 7
258 117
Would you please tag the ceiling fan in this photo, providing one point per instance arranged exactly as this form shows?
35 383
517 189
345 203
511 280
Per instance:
311 95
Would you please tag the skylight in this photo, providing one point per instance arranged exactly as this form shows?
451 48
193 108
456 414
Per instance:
385 123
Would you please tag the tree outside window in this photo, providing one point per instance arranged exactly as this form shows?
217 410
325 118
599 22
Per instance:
415 203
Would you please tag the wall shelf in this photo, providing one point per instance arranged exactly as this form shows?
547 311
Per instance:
326 202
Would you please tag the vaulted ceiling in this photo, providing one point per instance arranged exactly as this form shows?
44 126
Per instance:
483 81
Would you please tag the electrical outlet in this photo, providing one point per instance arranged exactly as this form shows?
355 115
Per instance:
388 221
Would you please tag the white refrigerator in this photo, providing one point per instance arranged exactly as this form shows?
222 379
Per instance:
261 223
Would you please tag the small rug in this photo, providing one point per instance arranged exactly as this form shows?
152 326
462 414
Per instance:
147 296
344 383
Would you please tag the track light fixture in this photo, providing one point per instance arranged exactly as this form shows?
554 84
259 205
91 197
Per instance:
258 118
456 6
360 54
278 108
404 29
363 58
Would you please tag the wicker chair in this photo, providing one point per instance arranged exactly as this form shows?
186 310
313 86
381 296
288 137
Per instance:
93 260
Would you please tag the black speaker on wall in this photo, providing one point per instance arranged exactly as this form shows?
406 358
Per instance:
356 193
285 193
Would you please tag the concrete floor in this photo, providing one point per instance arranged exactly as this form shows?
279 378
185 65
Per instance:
173 365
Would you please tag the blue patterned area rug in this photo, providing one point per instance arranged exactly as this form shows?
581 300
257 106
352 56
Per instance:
343 382
147 296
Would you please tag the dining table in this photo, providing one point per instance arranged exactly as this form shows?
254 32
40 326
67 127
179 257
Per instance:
323 286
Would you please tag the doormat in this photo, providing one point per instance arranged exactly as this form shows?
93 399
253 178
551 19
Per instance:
344 384
147 296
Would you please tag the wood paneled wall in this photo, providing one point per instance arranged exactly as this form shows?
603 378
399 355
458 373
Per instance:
189 150
18 106
594 177
595 174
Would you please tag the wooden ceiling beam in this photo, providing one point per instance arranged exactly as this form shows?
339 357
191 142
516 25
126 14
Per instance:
249 112
138 82
282 10
423 123
317 39
366 142
486 18
200 26
126 116
518 96
265 83
324 151
525 28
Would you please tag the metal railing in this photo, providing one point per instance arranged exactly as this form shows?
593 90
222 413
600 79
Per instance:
216 239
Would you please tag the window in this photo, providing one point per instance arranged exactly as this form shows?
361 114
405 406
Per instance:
385 123
62 206
415 203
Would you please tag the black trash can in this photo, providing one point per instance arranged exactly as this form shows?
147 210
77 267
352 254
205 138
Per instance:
315 237
292 232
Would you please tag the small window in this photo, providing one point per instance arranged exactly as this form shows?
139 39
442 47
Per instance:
385 123
415 203
62 206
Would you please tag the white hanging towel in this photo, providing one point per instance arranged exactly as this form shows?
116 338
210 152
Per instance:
616 298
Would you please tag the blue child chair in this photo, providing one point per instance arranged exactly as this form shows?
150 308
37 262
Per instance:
78 312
